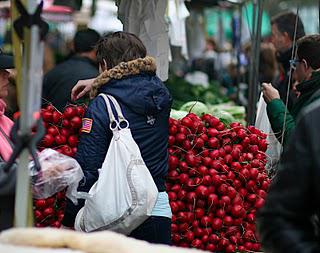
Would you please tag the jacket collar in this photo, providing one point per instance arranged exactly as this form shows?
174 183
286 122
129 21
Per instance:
123 69
310 85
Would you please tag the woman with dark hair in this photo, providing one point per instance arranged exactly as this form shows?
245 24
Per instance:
128 74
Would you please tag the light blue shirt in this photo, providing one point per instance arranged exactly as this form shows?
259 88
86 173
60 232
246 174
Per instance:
162 206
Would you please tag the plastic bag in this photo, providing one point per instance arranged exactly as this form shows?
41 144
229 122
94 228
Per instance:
125 193
262 123
57 172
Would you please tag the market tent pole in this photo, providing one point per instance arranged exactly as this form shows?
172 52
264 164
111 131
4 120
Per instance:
254 65
239 52
29 101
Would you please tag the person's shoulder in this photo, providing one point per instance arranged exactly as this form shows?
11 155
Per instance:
310 111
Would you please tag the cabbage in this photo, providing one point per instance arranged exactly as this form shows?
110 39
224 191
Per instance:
224 116
196 107
177 114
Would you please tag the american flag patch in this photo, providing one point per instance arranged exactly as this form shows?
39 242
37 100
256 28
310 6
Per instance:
86 125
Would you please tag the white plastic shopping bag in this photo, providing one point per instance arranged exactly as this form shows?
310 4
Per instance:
262 123
124 195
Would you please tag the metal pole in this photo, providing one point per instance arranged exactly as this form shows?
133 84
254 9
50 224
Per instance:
250 107
29 101
257 56
239 53
319 17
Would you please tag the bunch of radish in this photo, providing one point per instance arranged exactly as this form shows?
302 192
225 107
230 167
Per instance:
62 134
62 129
216 182
49 212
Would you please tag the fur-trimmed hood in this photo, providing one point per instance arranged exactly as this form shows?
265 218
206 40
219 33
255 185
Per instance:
134 67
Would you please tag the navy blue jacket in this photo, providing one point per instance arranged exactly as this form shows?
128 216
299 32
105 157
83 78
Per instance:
146 104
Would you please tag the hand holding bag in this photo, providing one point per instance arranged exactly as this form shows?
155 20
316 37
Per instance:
124 195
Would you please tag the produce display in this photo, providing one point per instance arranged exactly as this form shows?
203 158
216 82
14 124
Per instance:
62 132
225 112
216 183
183 92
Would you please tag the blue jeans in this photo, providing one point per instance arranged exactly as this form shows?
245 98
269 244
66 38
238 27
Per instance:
155 229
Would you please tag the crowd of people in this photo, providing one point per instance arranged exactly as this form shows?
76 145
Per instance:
118 64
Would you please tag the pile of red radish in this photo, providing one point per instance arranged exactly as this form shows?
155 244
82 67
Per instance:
49 212
62 129
216 183
62 133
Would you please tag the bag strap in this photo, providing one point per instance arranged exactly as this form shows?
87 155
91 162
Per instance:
112 117
6 137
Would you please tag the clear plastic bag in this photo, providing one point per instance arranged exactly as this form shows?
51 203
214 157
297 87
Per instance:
57 173
262 123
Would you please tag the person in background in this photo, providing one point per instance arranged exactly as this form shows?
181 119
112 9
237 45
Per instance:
287 222
283 32
7 179
307 72
128 74
58 83
268 63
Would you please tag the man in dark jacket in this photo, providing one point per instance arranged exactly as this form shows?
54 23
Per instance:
58 82
307 72
283 30
286 222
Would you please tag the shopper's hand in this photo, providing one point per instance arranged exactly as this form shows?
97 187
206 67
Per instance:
269 92
81 88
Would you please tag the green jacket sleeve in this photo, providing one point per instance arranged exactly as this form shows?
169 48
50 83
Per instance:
276 110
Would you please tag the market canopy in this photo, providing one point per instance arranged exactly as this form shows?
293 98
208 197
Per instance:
214 14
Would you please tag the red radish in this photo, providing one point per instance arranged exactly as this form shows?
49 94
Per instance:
237 211
48 212
180 137
206 221
73 140
199 213
48 140
199 232
213 142
191 197
217 223
183 177
213 121
181 195
69 112
259 203
189 236
214 154
202 191
172 196
210 247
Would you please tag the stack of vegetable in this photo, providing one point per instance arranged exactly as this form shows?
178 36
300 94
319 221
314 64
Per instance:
62 131
216 183
225 112
183 92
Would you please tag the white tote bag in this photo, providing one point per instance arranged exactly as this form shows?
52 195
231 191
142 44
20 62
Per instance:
262 123
124 195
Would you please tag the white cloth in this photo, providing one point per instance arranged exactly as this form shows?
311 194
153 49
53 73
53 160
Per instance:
146 19
177 14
